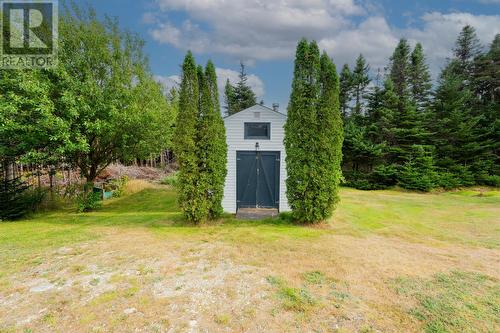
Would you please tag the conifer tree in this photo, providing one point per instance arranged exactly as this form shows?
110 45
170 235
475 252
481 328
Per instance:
313 136
299 131
467 48
329 140
345 91
240 96
454 125
360 80
400 71
185 144
212 148
420 78
229 98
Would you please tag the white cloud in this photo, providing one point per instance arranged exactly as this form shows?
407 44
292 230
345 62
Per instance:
440 31
223 74
253 81
168 82
253 30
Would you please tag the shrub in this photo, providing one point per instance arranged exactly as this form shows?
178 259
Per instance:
88 201
418 172
447 180
119 186
171 180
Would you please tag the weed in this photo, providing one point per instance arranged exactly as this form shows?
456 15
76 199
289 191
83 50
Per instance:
293 299
314 277
454 302
223 319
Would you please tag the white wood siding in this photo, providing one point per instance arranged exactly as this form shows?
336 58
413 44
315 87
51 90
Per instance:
235 137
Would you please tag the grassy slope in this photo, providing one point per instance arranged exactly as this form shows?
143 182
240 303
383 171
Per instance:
450 219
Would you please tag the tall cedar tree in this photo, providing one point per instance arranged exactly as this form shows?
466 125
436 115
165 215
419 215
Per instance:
212 147
360 80
240 96
313 136
191 199
329 140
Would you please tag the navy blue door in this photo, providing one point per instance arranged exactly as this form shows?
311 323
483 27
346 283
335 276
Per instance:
257 179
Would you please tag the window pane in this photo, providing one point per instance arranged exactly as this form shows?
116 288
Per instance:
257 130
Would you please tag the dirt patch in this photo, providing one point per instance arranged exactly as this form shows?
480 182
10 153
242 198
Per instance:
136 280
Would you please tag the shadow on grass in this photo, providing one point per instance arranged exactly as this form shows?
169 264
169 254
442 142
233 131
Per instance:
156 208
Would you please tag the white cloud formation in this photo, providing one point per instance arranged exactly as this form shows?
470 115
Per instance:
223 74
440 31
253 81
253 30
168 82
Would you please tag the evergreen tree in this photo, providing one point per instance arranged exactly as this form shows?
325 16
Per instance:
467 48
230 99
212 148
360 80
418 172
240 96
400 72
345 91
13 203
455 126
329 141
299 131
420 78
313 135
191 196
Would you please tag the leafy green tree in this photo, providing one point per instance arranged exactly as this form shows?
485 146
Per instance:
30 129
211 143
102 85
313 136
360 81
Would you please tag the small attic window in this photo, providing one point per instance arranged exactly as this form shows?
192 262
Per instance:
261 131
256 115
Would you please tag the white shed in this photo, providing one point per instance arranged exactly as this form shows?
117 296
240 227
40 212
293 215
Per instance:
256 169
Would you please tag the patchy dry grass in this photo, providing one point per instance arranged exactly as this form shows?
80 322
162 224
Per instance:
454 302
389 261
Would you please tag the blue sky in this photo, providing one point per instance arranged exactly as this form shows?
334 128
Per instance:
263 33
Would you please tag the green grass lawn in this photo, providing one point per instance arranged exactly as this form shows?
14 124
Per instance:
454 221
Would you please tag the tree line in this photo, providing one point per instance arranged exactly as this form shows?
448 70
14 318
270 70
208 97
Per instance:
402 130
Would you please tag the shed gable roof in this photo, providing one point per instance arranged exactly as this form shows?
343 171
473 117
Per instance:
255 108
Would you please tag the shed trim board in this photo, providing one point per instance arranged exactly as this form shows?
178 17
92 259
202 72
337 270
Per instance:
237 143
